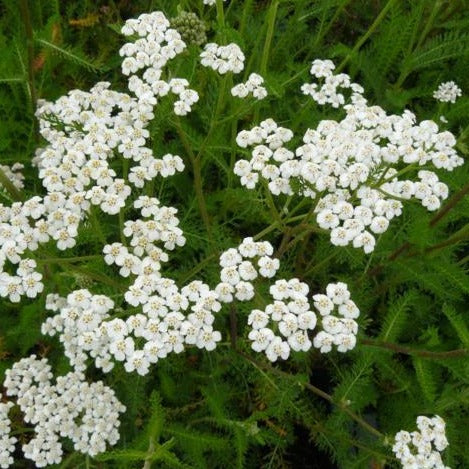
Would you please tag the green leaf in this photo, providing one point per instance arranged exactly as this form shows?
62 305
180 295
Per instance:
396 317
72 55
458 323
426 378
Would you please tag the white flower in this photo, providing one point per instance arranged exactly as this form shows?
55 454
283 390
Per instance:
261 338
208 338
244 291
258 319
323 341
277 348
138 362
447 92
268 266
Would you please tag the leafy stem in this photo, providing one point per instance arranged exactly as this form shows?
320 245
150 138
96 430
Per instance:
413 351
319 392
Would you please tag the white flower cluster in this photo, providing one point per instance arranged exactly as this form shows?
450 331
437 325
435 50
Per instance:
240 266
421 449
266 157
13 173
223 59
156 46
447 92
328 92
85 131
290 314
340 331
88 414
348 166
7 442
252 86
83 322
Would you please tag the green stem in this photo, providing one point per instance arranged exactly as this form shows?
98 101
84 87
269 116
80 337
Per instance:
319 392
365 37
220 15
450 205
276 225
96 225
59 260
323 31
96 276
26 17
405 71
272 207
310 269
412 351
198 186
271 16
246 8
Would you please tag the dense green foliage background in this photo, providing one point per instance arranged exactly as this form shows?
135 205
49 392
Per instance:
230 408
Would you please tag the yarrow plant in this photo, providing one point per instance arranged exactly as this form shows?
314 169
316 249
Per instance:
421 449
348 168
160 319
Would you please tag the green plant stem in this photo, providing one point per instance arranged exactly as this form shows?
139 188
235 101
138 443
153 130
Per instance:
323 31
200 265
10 187
405 170
125 175
26 17
150 451
271 17
198 185
246 8
310 268
272 207
365 37
276 225
405 71
413 351
96 226
319 392
450 205
220 15
59 260
97 276
461 235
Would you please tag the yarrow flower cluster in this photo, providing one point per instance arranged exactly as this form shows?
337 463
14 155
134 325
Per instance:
447 92
87 414
339 331
156 46
421 449
7 442
348 166
252 86
292 317
14 175
85 132
240 266
223 59
328 92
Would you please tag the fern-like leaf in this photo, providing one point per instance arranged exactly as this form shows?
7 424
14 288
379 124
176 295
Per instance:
442 47
396 317
71 54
